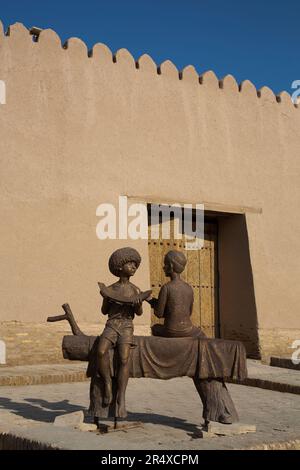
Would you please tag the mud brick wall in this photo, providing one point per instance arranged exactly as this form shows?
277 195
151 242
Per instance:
38 343
81 128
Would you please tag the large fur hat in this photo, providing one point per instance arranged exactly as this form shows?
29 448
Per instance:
121 257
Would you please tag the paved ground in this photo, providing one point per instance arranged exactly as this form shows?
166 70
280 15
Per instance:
273 378
170 411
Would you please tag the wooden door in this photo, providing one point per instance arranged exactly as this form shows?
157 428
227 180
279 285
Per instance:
200 272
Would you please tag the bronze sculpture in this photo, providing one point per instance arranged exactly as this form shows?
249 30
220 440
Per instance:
175 301
177 348
121 302
175 305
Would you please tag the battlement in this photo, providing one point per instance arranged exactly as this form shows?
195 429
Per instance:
19 37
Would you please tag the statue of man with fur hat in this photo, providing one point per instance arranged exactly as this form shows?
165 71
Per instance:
122 301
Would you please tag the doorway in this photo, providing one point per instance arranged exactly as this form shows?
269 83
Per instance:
201 273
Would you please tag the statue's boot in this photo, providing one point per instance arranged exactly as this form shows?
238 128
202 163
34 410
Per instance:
225 419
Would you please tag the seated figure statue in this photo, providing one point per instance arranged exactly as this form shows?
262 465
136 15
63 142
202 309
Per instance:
175 301
175 305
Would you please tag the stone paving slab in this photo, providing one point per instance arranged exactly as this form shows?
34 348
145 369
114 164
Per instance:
170 411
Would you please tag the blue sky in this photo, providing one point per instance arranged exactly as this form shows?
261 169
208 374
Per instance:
255 40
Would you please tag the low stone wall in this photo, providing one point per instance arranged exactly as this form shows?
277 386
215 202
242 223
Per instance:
38 343
277 342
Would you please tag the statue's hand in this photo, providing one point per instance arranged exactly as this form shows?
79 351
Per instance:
137 301
151 301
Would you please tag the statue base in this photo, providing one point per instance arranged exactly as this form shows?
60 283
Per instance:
124 426
214 429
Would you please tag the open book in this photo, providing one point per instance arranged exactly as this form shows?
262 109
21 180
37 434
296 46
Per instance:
110 293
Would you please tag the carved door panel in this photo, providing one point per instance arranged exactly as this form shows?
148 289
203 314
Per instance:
200 273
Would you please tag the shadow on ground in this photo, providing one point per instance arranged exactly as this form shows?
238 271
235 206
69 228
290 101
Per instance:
46 411
37 409
162 420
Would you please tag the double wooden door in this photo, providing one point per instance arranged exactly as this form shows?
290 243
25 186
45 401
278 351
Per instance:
201 273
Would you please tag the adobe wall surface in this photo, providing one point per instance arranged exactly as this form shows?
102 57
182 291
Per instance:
78 130
41 343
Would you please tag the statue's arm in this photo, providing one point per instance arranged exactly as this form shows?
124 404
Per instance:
159 308
138 309
105 306
138 305
153 302
192 303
